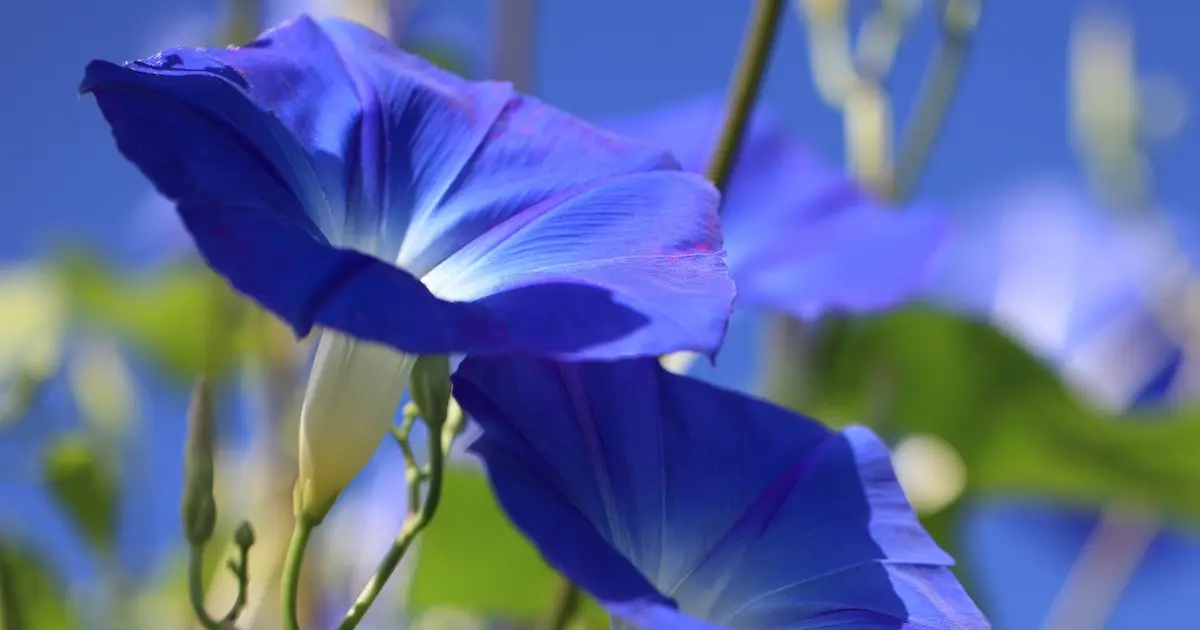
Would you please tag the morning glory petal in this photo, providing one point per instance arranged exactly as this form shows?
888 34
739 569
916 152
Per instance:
557 244
325 173
741 513
802 236
1097 295
236 210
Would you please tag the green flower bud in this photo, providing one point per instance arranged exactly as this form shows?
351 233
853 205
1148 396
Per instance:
243 536
199 507
430 389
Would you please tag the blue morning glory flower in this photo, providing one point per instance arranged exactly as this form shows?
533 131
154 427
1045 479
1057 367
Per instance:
159 235
681 505
1100 296
802 236
342 183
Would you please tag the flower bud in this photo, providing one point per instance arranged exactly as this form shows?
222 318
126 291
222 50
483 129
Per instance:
431 389
199 506
243 536
353 392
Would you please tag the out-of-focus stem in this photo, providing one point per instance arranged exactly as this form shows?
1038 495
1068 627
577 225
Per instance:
867 116
879 40
788 351
829 56
1105 108
959 19
1103 569
513 42
744 88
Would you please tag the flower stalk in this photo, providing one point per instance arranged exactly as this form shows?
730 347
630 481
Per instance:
757 44
959 19
293 563
443 419
199 511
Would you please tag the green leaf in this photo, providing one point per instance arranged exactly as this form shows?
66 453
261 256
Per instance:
472 558
1077 456
183 317
85 485
103 387
30 597
1019 429
31 336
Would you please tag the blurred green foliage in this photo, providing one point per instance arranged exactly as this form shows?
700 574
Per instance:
473 558
183 317
81 478
1017 427
30 597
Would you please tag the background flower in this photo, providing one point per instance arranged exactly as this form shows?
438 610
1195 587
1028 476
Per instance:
1100 295
803 237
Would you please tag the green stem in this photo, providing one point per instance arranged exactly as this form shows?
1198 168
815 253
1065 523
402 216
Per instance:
244 538
787 347
412 469
196 588
744 89
937 93
413 524
290 586
566 605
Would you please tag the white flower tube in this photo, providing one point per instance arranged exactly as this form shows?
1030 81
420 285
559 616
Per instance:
354 389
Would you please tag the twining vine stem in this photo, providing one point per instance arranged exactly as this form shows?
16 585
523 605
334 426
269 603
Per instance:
744 88
420 513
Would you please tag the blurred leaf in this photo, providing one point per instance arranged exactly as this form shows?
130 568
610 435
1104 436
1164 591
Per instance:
103 387
182 316
34 317
472 558
1018 428
1085 457
86 486
30 598
18 397
32 321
